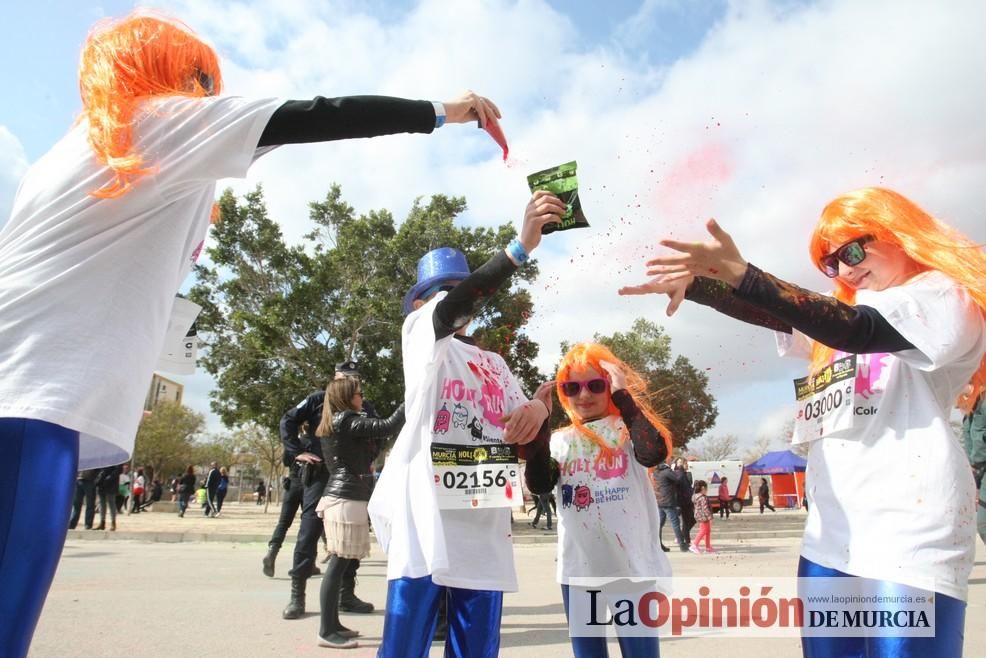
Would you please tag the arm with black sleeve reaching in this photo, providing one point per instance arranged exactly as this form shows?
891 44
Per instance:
347 117
743 291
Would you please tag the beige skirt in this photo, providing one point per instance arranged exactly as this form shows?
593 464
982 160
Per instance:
347 527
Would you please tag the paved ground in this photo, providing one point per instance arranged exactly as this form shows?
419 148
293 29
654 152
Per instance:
208 598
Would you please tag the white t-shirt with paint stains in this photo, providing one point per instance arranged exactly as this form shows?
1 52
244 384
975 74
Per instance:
607 514
87 284
893 497
455 393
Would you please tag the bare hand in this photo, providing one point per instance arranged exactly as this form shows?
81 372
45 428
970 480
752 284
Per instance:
543 208
471 107
716 259
617 378
544 394
672 285
523 423
308 458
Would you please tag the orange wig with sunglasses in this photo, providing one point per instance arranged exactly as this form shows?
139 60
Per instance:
891 217
127 62
591 355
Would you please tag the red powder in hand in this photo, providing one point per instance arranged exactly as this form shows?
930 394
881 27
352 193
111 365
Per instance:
493 128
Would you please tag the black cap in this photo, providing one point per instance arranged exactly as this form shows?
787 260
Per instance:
348 368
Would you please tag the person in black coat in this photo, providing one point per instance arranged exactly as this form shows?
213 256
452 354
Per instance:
303 454
107 486
685 504
667 484
349 446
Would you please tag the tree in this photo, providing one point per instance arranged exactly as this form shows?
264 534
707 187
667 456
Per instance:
277 318
265 446
223 449
678 392
165 438
714 448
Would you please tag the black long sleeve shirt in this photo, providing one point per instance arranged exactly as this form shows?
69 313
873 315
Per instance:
766 301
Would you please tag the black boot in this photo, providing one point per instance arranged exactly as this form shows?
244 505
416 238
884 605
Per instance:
331 632
296 606
269 560
348 601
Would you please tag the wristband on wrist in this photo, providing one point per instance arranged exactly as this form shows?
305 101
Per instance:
440 114
517 252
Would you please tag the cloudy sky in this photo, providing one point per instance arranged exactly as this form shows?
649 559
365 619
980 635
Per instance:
756 113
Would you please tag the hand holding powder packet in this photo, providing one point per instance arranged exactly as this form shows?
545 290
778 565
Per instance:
562 182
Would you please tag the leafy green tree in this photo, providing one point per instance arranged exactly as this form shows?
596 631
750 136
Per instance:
678 391
166 439
277 318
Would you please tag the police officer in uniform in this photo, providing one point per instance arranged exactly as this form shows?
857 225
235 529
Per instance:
305 455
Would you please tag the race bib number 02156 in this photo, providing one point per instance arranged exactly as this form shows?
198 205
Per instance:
475 477
825 400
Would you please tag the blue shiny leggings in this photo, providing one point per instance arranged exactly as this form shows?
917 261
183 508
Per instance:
412 613
37 481
947 643
595 647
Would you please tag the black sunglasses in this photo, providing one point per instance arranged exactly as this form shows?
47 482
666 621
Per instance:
851 253
570 389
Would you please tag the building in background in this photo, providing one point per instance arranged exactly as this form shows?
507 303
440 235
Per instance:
162 390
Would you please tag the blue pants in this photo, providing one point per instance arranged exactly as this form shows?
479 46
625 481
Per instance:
595 647
37 482
412 613
947 643
672 513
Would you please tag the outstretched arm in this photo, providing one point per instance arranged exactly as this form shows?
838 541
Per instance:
457 308
347 117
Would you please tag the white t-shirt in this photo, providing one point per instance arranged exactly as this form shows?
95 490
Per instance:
607 513
87 284
467 548
893 498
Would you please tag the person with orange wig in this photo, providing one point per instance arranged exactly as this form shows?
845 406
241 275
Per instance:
901 335
103 230
972 404
607 516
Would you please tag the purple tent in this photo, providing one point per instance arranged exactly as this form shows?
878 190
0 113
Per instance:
779 461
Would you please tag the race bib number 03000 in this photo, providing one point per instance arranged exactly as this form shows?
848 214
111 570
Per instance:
475 477
825 401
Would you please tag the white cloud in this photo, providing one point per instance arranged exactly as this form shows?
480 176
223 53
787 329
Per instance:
776 112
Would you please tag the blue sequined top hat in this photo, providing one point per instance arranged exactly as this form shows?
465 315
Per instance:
436 267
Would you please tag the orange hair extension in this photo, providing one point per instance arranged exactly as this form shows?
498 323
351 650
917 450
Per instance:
967 403
892 217
589 355
125 62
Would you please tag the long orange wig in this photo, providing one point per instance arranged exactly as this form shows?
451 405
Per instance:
967 401
590 355
125 62
891 217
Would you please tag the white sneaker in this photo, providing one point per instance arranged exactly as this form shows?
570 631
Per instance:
695 549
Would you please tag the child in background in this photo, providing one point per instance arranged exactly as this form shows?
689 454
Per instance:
703 515
612 441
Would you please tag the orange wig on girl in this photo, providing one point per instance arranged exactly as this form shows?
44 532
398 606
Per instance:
590 355
126 62
892 217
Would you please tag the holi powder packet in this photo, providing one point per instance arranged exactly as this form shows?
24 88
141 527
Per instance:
496 132
562 182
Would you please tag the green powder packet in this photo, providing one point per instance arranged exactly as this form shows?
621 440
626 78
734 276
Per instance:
561 182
